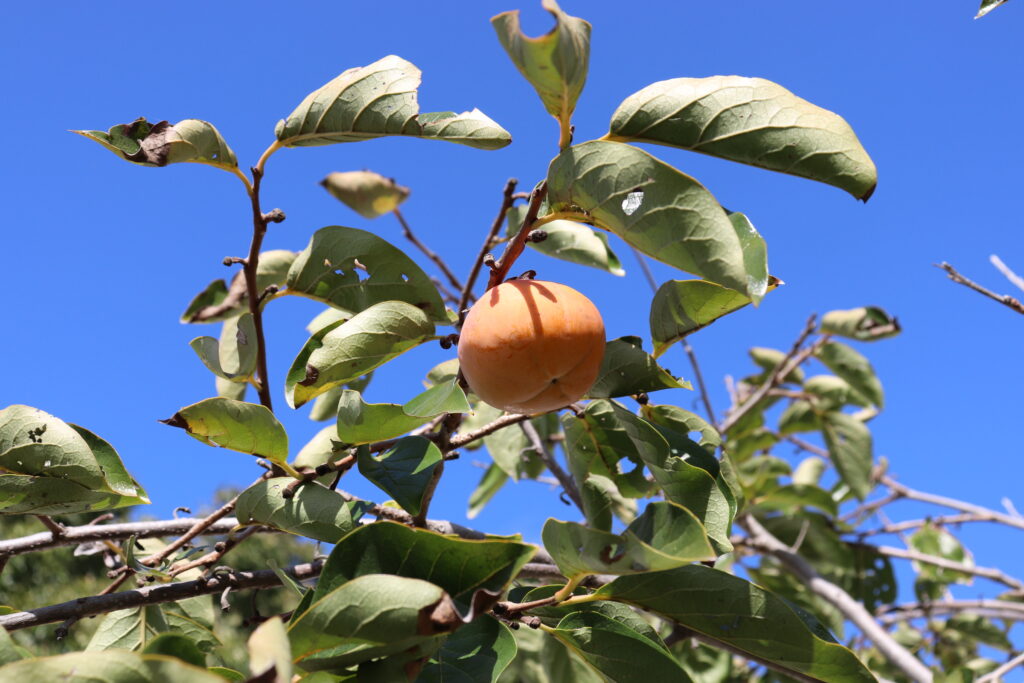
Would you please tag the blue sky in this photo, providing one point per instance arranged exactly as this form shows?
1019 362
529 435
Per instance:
101 256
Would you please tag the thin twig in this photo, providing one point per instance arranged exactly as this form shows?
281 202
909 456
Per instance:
221 549
56 529
912 494
851 609
549 460
940 520
997 609
61 632
250 268
460 440
1017 280
704 397
1004 299
996 675
427 251
514 248
197 529
499 220
790 362
924 558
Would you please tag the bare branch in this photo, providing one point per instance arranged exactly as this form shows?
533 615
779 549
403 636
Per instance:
563 477
461 440
924 558
428 252
506 204
1004 299
259 230
1017 280
997 609
991 515
997 674
895 653
941 520
792 360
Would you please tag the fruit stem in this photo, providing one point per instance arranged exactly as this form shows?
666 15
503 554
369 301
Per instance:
514 248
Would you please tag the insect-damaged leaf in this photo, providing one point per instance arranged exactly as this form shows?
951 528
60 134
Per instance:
345 350
379 100
752 121
354 269
48 466
159 144
659 210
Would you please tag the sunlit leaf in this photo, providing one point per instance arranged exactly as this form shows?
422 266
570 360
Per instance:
770 359
269 648
443 397
233 357
732 610
570 241
48 466
379 100
354 269
627 370
868 323
238 426
666 535
854 368
987 6
159 144
936 541
347 350
850 449
755 256
556 63
367 193
403 471
360 422
677 221
313 510
752 121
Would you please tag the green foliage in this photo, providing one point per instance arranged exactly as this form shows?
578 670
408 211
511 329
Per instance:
310 510
159 144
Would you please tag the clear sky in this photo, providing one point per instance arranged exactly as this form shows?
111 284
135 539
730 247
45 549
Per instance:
101 257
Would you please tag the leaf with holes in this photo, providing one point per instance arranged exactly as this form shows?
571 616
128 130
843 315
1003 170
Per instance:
220 301
743 615
238 426
159 144
50 467
666 535
379 100
556 63
752 121
367 193
354 269
346 350
312 510
627 370
403 471
676 220
233 357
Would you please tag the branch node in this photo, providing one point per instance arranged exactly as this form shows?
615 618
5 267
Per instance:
232 260
274 216
537 236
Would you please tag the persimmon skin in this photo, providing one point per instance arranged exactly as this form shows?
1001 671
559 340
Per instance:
529 346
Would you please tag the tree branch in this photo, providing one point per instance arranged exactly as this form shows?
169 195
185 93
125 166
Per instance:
506 204
997 609
984 572
1017 280
912 494
1004 299
427 251
792 360
941 520
563 477
852 610
996 675
514 248
259 230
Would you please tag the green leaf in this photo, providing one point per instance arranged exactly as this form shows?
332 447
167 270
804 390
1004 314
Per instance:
684 422
238 426
344 351
666 535
569 241
551 615
360 422
769 359
868 323
113 666
791 498
48 466
556 63
492 481
476 653
676 220
231 675
755 256
618 652
313 510
739 613
176 645
380 100
987 6
854 368
799 416
368 617
318 451
354 269
269 648
507 447
233 357
442 372
460 566
627 369
681 307
159 144
447 397
850 449
934 540
219 301
367 193
128 629
404 471
752 121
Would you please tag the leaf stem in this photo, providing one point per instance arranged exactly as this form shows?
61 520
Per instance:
258 168
562 216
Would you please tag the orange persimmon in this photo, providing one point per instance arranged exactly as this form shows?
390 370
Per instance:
529 346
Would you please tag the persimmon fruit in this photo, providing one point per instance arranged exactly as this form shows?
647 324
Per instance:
529 346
